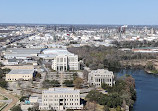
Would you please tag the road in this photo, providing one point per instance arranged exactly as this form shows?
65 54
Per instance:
6 101
13 98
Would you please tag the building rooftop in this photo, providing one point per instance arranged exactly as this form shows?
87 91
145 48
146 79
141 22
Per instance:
23 51
57 51
101 71
61 90
21 71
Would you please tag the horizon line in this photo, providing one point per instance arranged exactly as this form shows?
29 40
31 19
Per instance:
80 24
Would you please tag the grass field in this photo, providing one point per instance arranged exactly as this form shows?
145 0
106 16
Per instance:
1 105
3 98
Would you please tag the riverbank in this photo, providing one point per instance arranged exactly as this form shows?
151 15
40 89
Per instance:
141 64
120 96
146 88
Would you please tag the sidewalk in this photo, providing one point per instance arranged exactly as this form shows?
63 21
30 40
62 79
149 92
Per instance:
10 96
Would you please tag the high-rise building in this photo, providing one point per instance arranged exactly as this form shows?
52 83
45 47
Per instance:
62 59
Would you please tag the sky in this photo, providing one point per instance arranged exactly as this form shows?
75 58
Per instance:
130 12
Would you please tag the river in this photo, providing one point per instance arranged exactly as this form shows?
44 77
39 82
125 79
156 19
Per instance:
146 88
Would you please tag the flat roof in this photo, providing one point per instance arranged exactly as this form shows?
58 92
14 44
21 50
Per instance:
21 71
61 90
57 51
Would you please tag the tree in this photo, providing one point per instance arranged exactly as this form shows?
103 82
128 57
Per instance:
23 98
106 108
48 83
38 75
118 108
75 76
78 82
85 74
105 86
1 65
34 108
150 66
91 106
68 83
6 70
3 84
55 83
16 108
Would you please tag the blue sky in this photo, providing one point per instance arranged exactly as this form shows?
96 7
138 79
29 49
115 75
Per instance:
136 12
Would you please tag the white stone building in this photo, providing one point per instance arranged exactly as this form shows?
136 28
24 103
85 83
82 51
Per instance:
62 59
60 99
97 77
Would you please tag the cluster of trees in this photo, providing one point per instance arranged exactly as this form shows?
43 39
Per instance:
4 71
121 94
16 108
77 82
68 83
37 76
135 44
112 100
106 57
52 83
151 67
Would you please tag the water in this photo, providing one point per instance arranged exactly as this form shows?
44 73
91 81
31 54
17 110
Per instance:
146 88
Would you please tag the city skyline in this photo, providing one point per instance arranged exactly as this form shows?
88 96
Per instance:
79 12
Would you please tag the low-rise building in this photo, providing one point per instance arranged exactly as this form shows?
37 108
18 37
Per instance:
14 75
60 99
21 53
97 77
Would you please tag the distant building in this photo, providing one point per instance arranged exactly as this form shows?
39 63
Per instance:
14 75
21 53
60 99
62 59
10 62
146 50
97 77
